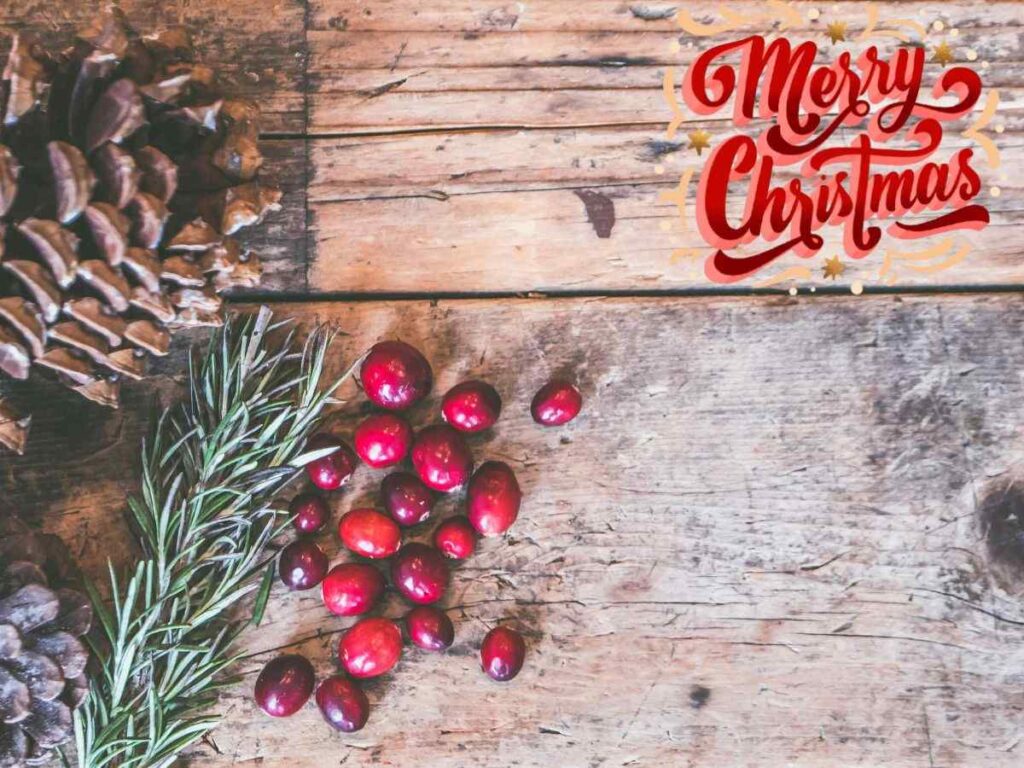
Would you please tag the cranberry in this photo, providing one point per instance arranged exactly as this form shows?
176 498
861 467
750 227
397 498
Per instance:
302 565
471 406
395 375
369 533
284 685
502 653
556 403
430 628
343 704
420 573
383 439
371 647
455 538
441 458
352 588
332 471
309 512
406 498
493 498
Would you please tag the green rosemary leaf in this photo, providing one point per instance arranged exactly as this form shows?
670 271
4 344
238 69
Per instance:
204 519
260 606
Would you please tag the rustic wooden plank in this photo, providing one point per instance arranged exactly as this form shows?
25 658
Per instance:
505 212
759 545
399 66
508 119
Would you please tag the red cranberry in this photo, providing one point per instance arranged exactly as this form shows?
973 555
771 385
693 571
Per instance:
302 565
332 471
430 628
352 588
395 375
441 458
502 653
309 512
284 685
556 403
343 704
455 538
406 498
493 498
382 439
420 573
371 647
471 406
369 533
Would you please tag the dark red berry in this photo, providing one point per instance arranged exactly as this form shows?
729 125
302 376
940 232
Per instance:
441 458
455 538
332 471
395 375
369 533
471 406
556 403
284 685
493 498
382 439
502 653
309 512
352 588
406 498
343 704
302 565
371 647
420 573
429 628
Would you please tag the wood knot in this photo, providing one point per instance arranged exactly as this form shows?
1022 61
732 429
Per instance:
699 696
1001 519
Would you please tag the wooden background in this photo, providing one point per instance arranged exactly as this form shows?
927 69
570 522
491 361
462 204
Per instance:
785 530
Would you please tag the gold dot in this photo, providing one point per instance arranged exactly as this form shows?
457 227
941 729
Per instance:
659 169
971 54
675 47
813 14
999 128
954 32
665 226
856 287
995 191
938 26
984 65
792 291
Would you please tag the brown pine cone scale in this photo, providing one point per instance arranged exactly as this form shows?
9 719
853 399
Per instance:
124 174
43 619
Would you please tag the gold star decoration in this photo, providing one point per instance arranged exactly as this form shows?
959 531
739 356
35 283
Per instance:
837 31
943 53
699 140
833 268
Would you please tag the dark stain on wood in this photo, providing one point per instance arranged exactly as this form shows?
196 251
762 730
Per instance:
657 148
600 210
648 13
1001 517
699 696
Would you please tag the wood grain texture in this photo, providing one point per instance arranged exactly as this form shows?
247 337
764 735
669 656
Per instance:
495 117
759 545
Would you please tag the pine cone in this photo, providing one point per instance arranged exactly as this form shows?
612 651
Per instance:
124 174
42 656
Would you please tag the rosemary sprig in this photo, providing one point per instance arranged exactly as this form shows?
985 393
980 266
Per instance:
204 520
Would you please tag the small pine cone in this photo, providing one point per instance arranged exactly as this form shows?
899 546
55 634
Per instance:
43 619
124 174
